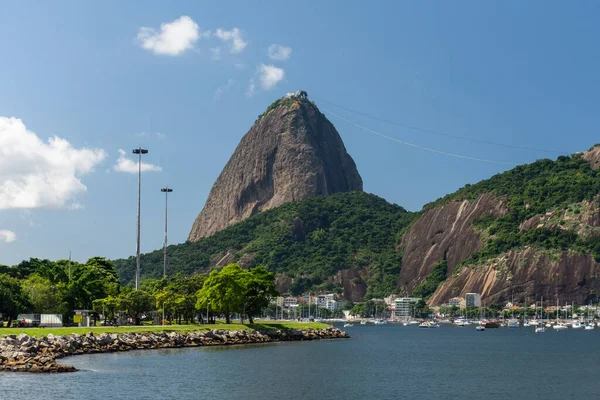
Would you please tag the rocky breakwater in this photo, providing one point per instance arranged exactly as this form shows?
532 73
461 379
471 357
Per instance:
25 353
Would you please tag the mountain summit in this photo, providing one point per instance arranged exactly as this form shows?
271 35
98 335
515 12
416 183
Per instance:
292 152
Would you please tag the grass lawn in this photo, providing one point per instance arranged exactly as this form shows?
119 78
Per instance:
259 325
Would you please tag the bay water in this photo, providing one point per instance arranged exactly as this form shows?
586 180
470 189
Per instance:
377 362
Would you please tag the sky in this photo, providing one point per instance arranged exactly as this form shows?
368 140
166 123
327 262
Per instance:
427 97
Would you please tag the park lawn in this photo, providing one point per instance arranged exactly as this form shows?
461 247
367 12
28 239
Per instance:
259 325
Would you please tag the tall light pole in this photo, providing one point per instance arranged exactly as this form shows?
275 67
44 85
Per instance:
166 190
139 151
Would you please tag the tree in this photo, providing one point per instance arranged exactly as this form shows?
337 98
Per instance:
13 299
137 302
259 289
46 296
223 291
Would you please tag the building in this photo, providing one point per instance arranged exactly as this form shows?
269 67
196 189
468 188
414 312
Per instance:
322 299
290 301
403 306
456 302
473 300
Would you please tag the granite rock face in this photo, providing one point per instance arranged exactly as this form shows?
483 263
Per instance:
444 233
292 152
525 276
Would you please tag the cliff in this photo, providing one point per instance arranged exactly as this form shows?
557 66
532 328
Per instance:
529 232
292 152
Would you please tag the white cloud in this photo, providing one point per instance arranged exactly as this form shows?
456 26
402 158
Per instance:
7 236
270 76
125 164
36 174
75 205
251 88
238 44
174 37
279 52
222 89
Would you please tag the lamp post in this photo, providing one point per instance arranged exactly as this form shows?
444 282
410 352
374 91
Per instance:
139 151
166 191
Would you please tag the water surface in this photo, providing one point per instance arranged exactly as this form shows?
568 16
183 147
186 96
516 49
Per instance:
378 362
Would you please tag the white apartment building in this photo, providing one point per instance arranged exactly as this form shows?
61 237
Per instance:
473 300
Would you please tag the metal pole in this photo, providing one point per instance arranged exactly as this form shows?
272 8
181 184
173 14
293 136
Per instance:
165 249
207 304
166 190
137 250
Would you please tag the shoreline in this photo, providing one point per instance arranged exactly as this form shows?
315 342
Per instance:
24 353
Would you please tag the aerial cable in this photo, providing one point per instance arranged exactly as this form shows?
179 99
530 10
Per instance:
416 145
432 132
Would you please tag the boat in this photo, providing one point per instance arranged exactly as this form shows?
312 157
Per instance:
513 323
526 324
346 325
428 324
540 328
559 326
480 328
413 322
492 324
380 322
576 325
445 321
363 322
459 322
589 327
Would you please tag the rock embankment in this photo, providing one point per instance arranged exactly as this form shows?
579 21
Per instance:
24 353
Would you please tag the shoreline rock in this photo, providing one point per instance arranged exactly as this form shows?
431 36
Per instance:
24 353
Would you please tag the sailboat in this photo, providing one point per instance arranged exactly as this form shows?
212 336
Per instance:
559 326
481 326
590 325
541 329
525 320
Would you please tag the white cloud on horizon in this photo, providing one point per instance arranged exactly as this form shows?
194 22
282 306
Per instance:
127 165
270 76
234 36
37 174
174 37
7 236
279 52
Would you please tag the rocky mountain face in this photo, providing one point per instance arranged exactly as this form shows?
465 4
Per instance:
444 233
553 253
292 152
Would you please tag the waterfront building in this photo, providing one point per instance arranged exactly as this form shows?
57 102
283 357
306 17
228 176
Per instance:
456 302
290 301
403 306
473 300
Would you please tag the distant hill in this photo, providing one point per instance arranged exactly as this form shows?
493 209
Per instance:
528 232
344 242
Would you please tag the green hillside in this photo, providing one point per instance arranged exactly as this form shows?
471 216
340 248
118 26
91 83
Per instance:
344 230
543 186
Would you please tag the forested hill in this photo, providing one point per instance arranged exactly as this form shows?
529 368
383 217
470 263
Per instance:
310 240
527 232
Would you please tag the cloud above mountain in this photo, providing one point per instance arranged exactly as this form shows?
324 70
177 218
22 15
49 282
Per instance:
173 38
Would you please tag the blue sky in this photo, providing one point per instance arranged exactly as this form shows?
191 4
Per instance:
518 73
